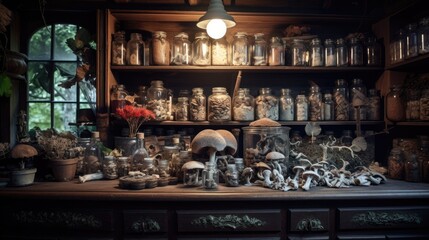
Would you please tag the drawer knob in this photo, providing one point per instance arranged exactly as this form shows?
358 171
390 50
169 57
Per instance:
228 221
145 225
309 225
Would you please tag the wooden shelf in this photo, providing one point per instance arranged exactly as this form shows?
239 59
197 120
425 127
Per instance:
417 64
417 123
237 123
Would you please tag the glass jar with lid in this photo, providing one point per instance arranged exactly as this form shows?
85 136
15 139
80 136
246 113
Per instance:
424 105
140 154
123 166
197 107
157 100
374 105
93 155
315 106
423 35
219 105
160 48
240 49
373 52
220 51
119 49
243 106
341 100
412 108
342 52
358 95
135 50
276 53
267 105
201 49
181 110
317 52
395 109
286 105
260 50
330 53
411 47
182 49
117 97
356 52
109 167
299 53
399 45
301 107
328 107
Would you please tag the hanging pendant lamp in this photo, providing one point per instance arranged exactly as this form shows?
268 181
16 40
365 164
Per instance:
216 20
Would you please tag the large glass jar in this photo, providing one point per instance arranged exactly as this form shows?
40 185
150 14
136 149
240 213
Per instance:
117 97
330 53
328 107
316 106
373 52
197 106
301 107
317 52
93 155
243 106
160 48
423 35
219 105
395 109
220 51
358 95
412 108
260 50
356 52
119 49
157 100
267 105
240 49
342 53
424 105
181 110
299 53
411 47
286 105
201 49
277 53
135 50
374 105
139 155
182 49
341 100
396 164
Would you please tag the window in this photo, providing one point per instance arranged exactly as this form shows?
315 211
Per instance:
52 62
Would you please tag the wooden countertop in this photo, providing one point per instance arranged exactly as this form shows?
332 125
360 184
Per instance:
109 190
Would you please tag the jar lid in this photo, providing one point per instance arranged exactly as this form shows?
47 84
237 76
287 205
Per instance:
158 34
197 90
182 35
240 34
340 41
201 35
95 134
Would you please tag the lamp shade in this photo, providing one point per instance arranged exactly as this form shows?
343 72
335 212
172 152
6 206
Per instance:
216 10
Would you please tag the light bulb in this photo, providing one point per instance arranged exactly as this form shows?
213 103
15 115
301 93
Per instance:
216 28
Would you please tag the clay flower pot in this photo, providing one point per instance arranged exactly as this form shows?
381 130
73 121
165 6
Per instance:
64 170
23 177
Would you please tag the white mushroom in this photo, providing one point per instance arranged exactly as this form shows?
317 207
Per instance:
208 141
274 157
309 176
23 151
261 166
191 171
91 177
231 141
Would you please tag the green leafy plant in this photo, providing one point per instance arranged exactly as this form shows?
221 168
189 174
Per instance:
5 85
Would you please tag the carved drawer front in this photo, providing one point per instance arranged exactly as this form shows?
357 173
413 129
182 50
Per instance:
383 218
229 221
141 222
309 220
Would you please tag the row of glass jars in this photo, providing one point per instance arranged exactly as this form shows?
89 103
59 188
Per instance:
410 105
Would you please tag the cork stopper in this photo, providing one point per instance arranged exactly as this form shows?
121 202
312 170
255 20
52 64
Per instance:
95 134
140 135
176 140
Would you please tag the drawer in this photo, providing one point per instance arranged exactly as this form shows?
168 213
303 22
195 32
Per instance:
383 218
309 220
361 237
307 237
140 222
229 221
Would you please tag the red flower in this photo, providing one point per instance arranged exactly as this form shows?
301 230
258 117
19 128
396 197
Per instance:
135 116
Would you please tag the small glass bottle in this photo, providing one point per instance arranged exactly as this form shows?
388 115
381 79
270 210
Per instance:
201 50
243 106
117 97
240 49
341 100
357 95
157 100
267 105
396 164
220 52
137 158
413 171
374 105
197 106
373 52
135 50
395 109
356 52
276 53
182 106
423 35
342 53
424 105
219 105
232 176
260 50
317 52
330 53
400 46
123 166
328 107
210 176
346 139
119 49
411 47
298 53
315 106
160 48
182 50
412 109
109 167
286 105
93 155
301 108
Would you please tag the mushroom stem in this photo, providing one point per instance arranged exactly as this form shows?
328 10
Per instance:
212 155
306 186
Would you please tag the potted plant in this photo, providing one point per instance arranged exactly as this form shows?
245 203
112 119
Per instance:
22 176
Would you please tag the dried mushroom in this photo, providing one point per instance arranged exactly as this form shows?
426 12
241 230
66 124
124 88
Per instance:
208 141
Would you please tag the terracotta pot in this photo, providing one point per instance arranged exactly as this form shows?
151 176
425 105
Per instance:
16 63
64 170
20 178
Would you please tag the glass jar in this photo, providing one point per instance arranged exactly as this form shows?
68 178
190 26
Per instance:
423 35
357 98
301 108
413 171
286 105
396 164
374 105
260 50
330 53
123 166
400 46
181 109
267 105
109 167
197 107
135 50
317 53
240 49
201 49
328 107
373 52
231 176
119 49
356 52
139 155
411 47
341 100
315 106
182 50
395 110
277 53
219 105
160 48
157 100
243 106
210 176
346 138
342 53
142 96
412 108
93 155
220 52
298 53
424 105
117 97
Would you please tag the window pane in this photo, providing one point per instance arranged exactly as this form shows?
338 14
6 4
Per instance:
62 73
40 45
64 113
61 49
39 115
38 81
88 93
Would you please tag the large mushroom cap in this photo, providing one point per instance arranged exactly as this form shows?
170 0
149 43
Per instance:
208 138
231 141
23 151
262 165
274 156
311 173
264 122
192 165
